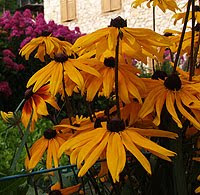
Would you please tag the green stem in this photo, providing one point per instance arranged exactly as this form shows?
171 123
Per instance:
192 43
182 36
154 29
60 178
18 107
68 104
178 169
116 76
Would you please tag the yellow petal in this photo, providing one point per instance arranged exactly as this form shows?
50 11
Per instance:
94 156
170 100
148 144
136 152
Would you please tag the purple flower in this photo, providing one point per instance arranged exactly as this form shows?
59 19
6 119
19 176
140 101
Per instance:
29 30
8 53
8 61
27 13
25 41
5 89
20 67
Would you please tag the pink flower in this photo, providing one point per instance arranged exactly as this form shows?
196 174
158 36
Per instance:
5 89
27 13
8 53
25 41
8 61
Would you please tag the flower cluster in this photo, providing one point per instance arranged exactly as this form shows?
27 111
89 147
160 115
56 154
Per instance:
16 31
23 24
8 57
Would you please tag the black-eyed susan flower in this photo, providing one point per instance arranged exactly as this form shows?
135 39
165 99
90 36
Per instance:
137 43
57 190
186 45
114 138
6 116
53 73
80 122
181 16
129 84
176 95
36 103
46 45
162 4
50 141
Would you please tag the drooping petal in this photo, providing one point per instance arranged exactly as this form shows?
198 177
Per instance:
170 100
93 157
136 152
37 155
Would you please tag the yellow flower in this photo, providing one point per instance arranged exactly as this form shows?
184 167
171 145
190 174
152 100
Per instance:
179 16
186 46
53 73
174 93
79 122
6 116
36 103
162 4
130 112
56 189
129 83
46 45
112 138
50 141
138 43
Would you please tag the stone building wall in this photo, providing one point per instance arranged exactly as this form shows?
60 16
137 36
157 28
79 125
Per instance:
89 15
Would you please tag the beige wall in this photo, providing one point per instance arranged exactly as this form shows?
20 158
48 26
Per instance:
89 16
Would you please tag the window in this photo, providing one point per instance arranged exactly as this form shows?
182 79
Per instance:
111 5
68 10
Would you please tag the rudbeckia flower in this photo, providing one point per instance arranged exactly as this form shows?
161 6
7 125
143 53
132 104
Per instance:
46 45
79 122
137 43
186 46
113 138
36 103
129 84
53 73
130 112
56 189
175 94
6 116
162 4
179 16
50 141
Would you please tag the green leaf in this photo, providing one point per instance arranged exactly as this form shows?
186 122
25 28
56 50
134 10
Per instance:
18 153
11 186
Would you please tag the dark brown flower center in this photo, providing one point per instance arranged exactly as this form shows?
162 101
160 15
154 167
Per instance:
28 93
49 133
109 62
197 27
173 82
118 22
45 33
97 123
55 192
61 57
76 125
159 74
115 125
168 34
196 8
